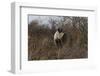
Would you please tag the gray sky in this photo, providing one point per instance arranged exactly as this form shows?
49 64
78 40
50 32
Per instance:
43 19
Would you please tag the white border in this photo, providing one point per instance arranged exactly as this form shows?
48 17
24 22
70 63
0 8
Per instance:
20 65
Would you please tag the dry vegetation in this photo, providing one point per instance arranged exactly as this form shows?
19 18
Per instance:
41 44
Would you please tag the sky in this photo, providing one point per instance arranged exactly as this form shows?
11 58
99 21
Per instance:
45 20
42 19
